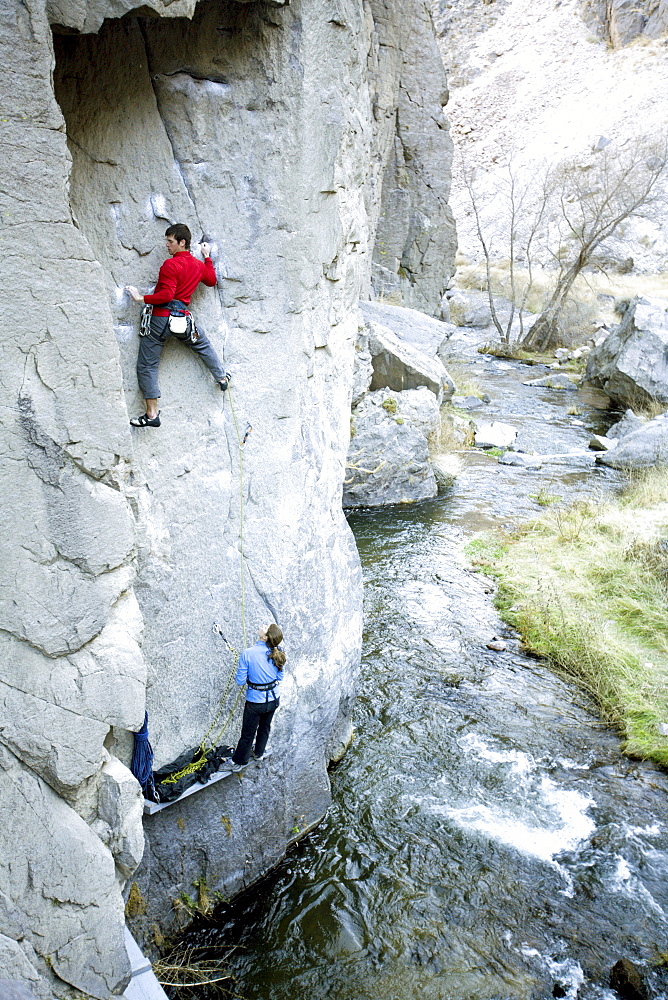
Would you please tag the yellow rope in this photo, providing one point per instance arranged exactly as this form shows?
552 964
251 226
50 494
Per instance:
205 746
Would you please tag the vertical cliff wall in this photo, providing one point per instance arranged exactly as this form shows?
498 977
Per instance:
255 124
414 230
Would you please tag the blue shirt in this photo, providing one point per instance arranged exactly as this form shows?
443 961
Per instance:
255 666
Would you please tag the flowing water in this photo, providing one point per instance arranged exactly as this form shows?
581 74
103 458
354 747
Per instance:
487 839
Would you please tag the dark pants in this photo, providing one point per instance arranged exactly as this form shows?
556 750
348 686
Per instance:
257 719
150 349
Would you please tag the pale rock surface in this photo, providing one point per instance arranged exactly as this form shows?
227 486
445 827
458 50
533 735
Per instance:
468 402
619 22
631 366
399 366
645 447
415 242
600 442
494 434
362 370
388 459
256 124
470 308
630 422
14 963
120 807
458 429
67 869
11 989
557 381
413 328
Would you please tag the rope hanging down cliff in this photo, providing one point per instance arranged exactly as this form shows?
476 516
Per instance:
204 755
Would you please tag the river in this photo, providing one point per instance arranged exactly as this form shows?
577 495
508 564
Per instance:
487 839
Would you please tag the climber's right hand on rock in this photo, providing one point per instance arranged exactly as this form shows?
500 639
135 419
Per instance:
134 292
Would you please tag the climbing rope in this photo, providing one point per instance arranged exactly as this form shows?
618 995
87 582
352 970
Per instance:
208 742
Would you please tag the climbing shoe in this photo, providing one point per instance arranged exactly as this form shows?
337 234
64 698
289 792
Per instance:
145 421
261 756
225 381
230 766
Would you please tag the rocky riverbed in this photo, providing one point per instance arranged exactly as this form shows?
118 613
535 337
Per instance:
487 838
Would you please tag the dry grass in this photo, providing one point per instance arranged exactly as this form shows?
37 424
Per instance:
465 383
587 587
186 969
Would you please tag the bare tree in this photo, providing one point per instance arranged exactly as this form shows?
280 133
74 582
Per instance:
591 202
523 213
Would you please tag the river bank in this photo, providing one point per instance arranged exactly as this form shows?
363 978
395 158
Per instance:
585 585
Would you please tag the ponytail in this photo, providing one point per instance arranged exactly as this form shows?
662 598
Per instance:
274 638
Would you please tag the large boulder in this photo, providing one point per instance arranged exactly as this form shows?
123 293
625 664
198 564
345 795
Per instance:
398 366
494 434
414 328
388 459
631 365
644 447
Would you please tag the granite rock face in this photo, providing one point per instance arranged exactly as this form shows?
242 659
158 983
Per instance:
388 459
631 365
411 158
255 123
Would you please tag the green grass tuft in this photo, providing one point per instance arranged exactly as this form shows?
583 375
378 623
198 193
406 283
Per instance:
587 587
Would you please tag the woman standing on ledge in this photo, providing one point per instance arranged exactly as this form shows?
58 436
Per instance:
261 668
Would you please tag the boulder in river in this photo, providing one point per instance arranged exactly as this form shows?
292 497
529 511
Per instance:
627 981
557 381
644 447
398 365
467 402
630 422
388 459
494 434
599 442
520 459
631 366
414 328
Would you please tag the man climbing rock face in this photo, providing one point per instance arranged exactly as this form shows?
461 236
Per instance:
179 276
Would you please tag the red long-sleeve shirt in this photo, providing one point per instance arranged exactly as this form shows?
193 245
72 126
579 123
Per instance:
178 278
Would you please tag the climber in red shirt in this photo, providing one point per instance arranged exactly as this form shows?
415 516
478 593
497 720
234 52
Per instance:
179 276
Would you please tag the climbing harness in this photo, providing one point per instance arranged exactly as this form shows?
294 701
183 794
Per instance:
206 757
263 687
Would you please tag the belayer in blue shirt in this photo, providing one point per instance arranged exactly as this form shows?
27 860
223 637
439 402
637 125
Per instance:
261 668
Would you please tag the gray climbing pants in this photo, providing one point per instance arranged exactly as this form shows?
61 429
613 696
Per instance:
150 349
